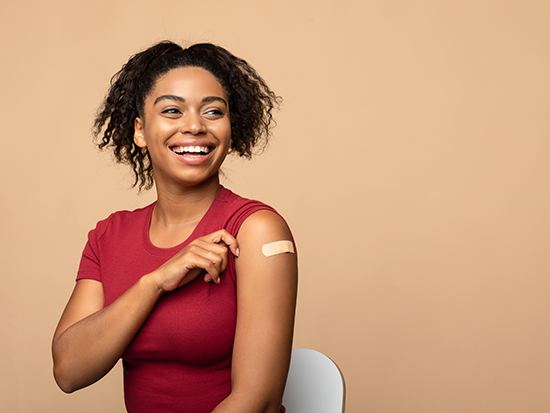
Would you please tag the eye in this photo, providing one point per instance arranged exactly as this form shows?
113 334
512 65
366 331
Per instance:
214 113
171 111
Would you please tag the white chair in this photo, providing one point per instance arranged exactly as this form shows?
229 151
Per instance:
314 385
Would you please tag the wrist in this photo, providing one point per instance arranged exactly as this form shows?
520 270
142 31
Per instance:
150 283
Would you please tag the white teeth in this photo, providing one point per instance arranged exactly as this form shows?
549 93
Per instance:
190 149
195 149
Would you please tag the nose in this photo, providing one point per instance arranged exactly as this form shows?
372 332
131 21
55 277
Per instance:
193 124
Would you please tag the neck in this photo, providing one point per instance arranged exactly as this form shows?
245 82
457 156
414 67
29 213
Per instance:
183 205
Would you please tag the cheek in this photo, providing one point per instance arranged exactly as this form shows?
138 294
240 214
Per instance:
167 127
160 131
223 133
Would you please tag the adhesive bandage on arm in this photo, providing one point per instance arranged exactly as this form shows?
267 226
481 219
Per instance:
277 247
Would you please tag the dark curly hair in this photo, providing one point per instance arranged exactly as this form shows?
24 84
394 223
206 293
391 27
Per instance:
250 101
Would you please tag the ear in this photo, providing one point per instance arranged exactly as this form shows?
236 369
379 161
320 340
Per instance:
139 140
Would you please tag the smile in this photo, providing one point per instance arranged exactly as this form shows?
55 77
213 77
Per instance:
191 150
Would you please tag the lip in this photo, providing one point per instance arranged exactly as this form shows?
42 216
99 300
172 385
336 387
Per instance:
192 142
193 160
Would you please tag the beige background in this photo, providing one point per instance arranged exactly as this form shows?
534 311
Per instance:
411 160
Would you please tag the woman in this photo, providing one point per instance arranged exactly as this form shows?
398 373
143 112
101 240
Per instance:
195 292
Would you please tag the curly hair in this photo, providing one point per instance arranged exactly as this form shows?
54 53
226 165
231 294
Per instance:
250 101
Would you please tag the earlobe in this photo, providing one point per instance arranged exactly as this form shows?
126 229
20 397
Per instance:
139 140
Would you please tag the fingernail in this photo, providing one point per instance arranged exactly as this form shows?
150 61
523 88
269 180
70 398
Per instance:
207 278
237 252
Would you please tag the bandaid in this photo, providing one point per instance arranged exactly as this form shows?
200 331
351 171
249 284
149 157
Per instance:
277 247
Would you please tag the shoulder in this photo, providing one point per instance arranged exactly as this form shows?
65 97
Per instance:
121 220
128 215
267 263
264 224
265 229
235 210
252 218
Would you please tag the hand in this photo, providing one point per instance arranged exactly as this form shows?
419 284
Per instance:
209 253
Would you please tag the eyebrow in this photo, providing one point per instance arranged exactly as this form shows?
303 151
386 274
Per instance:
177 98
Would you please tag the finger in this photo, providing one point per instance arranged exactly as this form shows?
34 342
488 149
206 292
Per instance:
212 258
206 246
213 266
211 251
218 265
201 255
208 278
225 237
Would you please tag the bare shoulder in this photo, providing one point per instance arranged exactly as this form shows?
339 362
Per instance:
261 229
264 226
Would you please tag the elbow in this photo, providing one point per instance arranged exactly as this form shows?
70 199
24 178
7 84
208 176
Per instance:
65 383
62 371
66 388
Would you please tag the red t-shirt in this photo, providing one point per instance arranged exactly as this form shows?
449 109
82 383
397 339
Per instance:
180 360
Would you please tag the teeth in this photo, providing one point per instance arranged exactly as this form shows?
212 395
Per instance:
191 149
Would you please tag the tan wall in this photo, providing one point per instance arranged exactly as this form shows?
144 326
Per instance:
411 160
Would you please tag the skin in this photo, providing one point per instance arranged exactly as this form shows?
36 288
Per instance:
189 105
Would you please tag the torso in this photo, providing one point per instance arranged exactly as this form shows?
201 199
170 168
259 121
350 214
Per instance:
182 354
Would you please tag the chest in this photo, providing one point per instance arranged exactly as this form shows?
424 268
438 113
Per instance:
194 324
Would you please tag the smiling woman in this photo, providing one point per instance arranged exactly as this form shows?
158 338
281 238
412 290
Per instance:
180 289
185 121
250 101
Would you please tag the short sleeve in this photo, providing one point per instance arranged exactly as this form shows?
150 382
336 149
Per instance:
244 212
90 267
237 220
89 262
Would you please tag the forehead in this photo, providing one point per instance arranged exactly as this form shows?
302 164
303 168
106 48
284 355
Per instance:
188 82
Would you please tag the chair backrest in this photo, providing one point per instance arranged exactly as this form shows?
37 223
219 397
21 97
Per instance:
314 384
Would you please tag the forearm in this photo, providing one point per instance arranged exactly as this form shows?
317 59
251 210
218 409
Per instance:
90 338
88 349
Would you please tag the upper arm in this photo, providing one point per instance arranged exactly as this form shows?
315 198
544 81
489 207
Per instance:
86 299
266 301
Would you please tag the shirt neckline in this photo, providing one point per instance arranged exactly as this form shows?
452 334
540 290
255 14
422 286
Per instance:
149 246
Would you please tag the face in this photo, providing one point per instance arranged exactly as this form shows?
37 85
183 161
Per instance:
185 127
